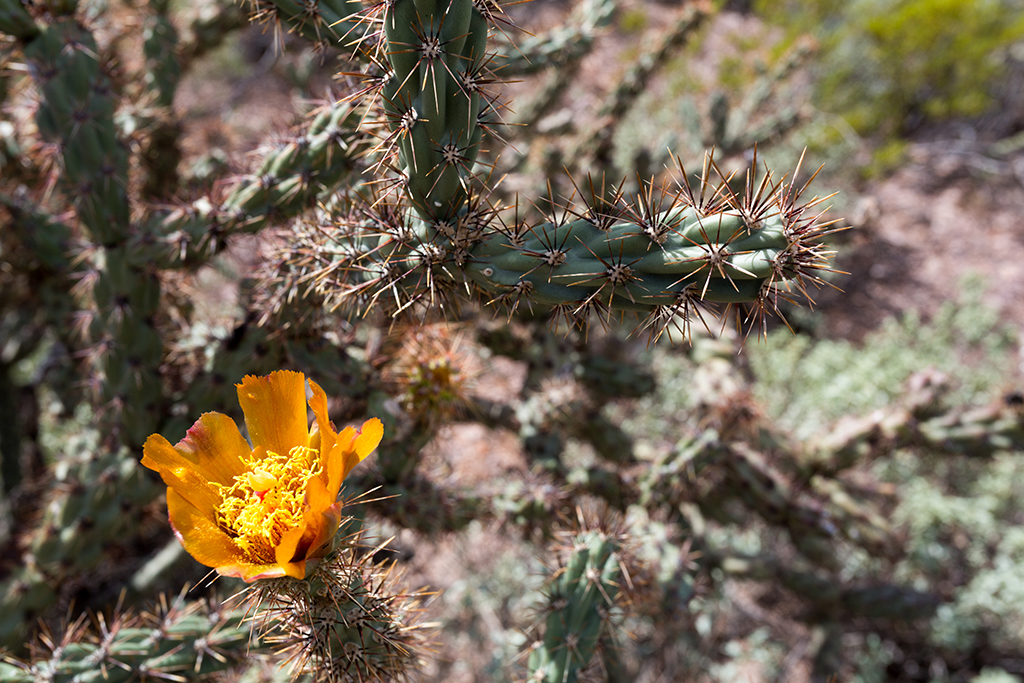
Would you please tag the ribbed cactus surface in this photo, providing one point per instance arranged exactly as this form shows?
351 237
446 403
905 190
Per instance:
179 639
432 97
579 601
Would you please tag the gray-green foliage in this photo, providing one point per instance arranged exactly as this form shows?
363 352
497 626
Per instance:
964 518
820 381
953 522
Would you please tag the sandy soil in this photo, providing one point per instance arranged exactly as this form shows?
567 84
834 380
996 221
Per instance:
953 211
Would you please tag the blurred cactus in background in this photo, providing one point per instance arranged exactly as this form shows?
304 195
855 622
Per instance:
434 253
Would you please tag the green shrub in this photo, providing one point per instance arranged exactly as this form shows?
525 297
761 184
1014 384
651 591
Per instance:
889 63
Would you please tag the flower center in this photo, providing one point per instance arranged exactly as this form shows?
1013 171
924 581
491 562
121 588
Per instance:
267 500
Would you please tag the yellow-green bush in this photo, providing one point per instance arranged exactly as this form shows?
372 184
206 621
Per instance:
888 64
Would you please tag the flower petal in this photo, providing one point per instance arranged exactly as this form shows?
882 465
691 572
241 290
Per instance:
369 437
288 559
181 474
321 527
216 445
364 441
200 535
251 572
324 431
318 496
275 410
213 448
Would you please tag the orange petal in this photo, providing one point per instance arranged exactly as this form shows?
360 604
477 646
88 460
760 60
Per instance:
322 516
215 444
324 525
251 572
314 437
335 463
367 439
213 448
318 496
181 474
201 537
289 555
352 447
325 433
285 553
275 410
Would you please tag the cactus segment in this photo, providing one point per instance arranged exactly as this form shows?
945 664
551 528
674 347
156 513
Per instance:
48 237
658 256
598 144
435 50
191 639
289 180
206 28
578 603
654 255
99 497
325 23
77 112
718 258
163 70
557 48
15 21
160 151
366 630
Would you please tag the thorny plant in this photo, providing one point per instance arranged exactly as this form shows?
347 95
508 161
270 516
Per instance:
396 215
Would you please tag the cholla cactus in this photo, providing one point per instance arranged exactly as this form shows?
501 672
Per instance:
428 235
580 604
179 637
393 204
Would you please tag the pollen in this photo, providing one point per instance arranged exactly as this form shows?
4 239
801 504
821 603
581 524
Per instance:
267 500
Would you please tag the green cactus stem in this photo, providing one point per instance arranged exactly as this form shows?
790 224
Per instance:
16 21
347 621
429 237
76 112
325 23
206 27
579 599
433 98
180 638
96 499
290 179
598 145
665 256
558 48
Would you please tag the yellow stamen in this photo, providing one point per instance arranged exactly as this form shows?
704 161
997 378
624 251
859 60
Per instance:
267 500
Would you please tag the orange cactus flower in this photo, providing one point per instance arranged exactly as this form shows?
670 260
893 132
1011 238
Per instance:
264 510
